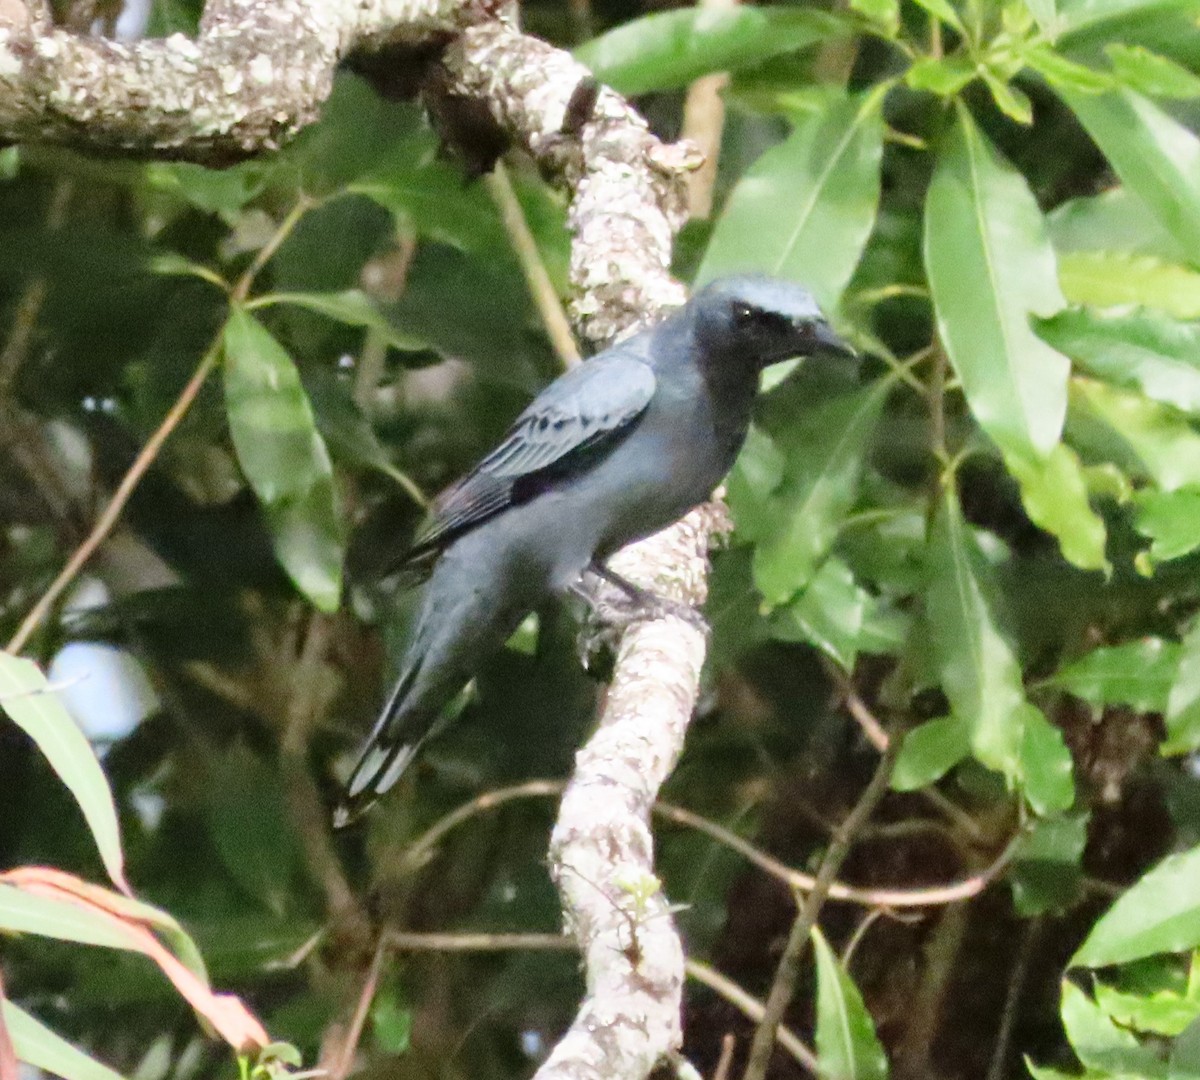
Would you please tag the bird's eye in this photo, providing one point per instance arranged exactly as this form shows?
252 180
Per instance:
744 315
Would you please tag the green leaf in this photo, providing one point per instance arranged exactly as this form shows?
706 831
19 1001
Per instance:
1099 1043
1182 712
427 197
353 308
1185 1054
1009 99
1113 221
805 209
1148 73
1144 438
671 48
1159 913
1171 519
1091 15
930 751
755 477
847 1046
1155 156
1161 1012
1138 674
284 458
25 913
829 614
215 191
31 704
941 9
827 441
10 162
978 669
1062 73
990 266
40 1047
1047 866
941 75
1107 279
885 14
1054 493
1046 765
1141 350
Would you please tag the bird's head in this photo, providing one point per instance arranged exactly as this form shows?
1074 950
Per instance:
762 320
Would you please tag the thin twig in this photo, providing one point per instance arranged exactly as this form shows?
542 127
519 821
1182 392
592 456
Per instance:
940 956
112 511
928 896
358 1021
1012 1000
416 855
725 1061
747 1004
541 288
150 452
703 124
788 971
405 941
753 1009
305 704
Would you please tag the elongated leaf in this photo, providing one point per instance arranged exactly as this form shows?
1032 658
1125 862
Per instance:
40 1047
824 461
25 913
1046 769
1144 438
1158 914
1155 156
1171 519
1079 16
805 209
1143 350
829 614
284 458
59 887
978 669
930 751
990 267
671 48
847 1046
941 9
1148 73
1183 701
1054 492
426 195
1138 674
1106 279
352 307
1113 221
1099 1043
32 705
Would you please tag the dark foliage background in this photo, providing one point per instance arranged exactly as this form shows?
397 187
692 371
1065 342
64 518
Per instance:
987 541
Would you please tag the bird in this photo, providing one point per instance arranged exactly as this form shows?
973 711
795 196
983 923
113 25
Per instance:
612 451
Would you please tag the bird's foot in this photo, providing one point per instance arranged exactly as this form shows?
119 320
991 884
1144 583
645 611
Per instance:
609 618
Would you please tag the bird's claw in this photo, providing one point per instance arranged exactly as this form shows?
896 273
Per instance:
607 622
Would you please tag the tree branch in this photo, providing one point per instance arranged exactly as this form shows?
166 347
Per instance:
258 71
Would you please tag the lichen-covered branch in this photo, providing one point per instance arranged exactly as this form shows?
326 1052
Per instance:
628 198
258 71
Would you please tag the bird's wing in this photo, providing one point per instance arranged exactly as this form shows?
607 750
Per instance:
584 410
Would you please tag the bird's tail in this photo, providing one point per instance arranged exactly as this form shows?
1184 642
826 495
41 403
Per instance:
394 742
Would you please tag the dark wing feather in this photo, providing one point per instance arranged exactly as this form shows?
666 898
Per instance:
583 410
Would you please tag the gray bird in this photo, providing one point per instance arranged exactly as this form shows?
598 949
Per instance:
614 450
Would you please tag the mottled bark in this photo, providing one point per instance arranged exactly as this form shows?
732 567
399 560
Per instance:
257 73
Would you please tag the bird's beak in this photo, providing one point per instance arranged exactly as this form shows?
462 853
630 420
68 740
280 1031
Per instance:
829 344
